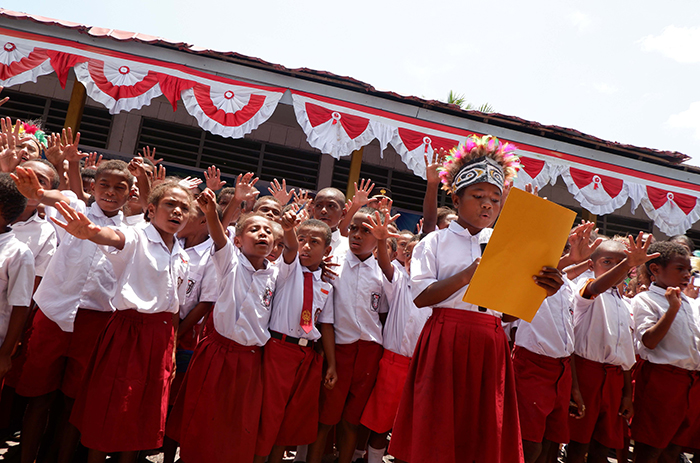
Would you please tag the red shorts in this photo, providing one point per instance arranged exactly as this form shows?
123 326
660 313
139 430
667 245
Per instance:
544 391
459 402
12 377
381 407
124 399
291 385
357 365
667 406
57 359
601 387
217 412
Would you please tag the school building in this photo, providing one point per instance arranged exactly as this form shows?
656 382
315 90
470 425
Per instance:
199 107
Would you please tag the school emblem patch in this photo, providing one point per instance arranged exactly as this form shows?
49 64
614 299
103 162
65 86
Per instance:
267 297
375 301
190 286
316 315
179 281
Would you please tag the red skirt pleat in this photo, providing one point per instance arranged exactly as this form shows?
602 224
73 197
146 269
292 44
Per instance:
459 403
216 414
124 398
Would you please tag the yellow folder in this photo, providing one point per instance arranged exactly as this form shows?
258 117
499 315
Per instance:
531 233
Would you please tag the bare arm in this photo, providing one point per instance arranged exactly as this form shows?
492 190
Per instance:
431 192
328 341
380 230
291 244
78 225
199 311
442 289
207 202
28 184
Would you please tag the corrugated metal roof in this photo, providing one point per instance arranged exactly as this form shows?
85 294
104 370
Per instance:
549 131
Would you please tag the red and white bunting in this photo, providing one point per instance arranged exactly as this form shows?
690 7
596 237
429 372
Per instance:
21 61
119 85
331 130
600 194
536 172
414 146
672 212
230 110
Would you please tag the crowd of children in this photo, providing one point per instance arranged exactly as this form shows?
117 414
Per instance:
152 313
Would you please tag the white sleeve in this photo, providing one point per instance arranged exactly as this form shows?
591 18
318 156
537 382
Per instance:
423 267
645 316
50 211
223 259
45 253
209 289
121 258
20 282
390 286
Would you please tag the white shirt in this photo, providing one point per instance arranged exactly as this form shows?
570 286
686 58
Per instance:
405 321
551 332
78 276
288 301
359 299
152 279
603 328
137 220
202 285
16 278
339 245
50 211
40 237
442 254
242 310
681 345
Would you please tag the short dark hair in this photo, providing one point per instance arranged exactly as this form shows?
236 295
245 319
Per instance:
667 250
320 226
339 195
369 210
88 172
55 180
393 244
443 212
608 245
245 218
267 198
229 190
12 201
115 165
159 192
684 241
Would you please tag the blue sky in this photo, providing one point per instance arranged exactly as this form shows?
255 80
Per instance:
624 71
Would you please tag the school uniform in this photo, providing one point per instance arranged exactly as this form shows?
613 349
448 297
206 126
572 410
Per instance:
292 368
403 325
358 300
339 245
202 286
603 349
467 406
123 402
667 386
541 359
74 300
138 220
217 412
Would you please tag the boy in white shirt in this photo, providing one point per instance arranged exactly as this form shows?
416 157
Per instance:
604 351
302 314
16 274
74 300
360 307
329 207
667 386
217 412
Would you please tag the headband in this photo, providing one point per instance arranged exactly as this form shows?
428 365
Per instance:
480 170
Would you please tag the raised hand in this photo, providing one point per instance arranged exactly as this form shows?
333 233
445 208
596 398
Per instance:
28 183
245 188
381 230
10 144
301 198
4 100
77 224
69 146
673 296
149 153
279 192
580 241
93 161
158 176
137 167
431 168
530 189
206 201
637 251
385 205
290 220
191 183
361 197
213 177
53 151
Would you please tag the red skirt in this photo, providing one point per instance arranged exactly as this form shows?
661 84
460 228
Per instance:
380 411
291 385
459 402
217 412
544 391
12 377
124 398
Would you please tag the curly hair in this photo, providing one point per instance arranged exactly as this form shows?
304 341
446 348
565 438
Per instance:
13 202
667 249
475 148
159 192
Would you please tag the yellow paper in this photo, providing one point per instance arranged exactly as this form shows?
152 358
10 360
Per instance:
531 233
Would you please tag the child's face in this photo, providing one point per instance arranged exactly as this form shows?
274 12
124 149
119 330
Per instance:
270 209
408 255
29 150
401 243
44 174
134 197
172 212
256 239
445 222
477 206
606 260
277 248
224 200
361 240
111 191
88 185
676 274
312 247
328 210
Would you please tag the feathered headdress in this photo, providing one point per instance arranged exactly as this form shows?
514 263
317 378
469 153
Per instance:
33 130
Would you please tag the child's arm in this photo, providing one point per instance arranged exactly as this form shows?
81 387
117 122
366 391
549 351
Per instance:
328 341
138 170
207 202
653 336
28 184
626 406
581 247
636 255
279 192
78 225
245 191
15 328
289 221
199 311
381 232
431 192
69 147
442 289
361 198
576 396
55 156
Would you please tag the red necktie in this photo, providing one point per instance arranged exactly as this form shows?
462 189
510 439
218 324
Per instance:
307 307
